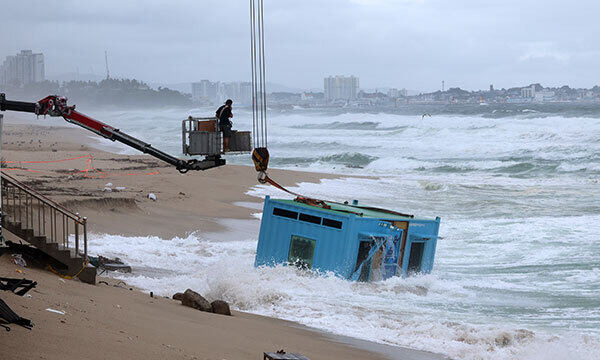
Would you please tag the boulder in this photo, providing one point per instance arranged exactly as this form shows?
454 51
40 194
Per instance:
220 307
178 296
194 300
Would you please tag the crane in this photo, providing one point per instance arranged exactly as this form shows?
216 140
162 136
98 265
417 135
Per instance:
55 105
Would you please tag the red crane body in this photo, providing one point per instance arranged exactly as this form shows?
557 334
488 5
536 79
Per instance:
54 105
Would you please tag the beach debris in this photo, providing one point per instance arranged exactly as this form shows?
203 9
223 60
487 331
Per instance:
220 307
10 284
109 184
151 294
194 300
108 264
152 197
282 355
120 188
178 296
55 311
107 189
11 317
17 259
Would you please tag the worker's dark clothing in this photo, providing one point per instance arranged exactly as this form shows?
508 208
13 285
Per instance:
224 113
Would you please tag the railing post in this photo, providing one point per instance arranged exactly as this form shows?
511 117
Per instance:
39 217
64 235
20 212
53 224
26 211
85 237
77 235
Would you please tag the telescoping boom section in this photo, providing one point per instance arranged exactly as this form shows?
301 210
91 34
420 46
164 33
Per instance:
54 105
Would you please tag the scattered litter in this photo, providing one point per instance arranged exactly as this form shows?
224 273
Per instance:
109 184
107 189
282 355
17 259
151 196
19 271
56 311
62 280
120 188
27 296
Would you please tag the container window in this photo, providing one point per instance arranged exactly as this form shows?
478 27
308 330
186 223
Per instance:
332 223
310 218
285 213
301 252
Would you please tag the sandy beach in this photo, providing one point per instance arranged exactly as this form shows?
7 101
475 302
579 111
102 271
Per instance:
119 322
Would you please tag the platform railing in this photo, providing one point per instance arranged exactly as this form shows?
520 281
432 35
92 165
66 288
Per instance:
46 218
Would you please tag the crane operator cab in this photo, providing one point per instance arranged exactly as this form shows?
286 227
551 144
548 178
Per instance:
202 136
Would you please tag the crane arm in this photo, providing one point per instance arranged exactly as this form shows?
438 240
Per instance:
54 105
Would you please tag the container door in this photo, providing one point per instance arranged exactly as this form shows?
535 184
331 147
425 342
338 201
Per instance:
392 255
402 246
415 259
364 248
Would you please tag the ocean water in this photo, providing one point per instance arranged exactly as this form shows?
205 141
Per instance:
517 273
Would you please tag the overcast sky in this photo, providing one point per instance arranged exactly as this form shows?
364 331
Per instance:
413 44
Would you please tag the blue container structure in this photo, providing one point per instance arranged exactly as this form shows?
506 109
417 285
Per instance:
354 242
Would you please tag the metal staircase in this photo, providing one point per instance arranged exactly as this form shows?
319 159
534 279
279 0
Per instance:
48 226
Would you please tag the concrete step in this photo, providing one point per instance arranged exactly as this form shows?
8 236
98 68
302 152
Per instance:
65 255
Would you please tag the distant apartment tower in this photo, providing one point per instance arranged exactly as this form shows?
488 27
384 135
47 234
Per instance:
205 90
217 92
395 93
341 87
23 68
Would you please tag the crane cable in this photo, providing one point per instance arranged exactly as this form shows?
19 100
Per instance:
260 154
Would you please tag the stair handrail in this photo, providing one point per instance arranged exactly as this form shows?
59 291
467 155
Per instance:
55 209
52 203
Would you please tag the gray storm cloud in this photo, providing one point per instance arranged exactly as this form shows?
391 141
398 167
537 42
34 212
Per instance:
412 43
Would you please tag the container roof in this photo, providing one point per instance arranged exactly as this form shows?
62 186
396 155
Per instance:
346 209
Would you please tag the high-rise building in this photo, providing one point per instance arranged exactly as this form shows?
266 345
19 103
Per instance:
205 90
341 87
217 92
23 68
395 93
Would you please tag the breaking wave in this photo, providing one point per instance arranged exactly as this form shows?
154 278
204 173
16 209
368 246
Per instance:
389 309
338 125
350 160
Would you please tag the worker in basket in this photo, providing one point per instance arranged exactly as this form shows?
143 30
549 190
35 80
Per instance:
224 115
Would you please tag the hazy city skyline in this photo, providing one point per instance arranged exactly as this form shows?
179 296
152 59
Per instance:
413 44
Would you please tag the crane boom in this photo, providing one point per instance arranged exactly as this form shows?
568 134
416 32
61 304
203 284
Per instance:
54 105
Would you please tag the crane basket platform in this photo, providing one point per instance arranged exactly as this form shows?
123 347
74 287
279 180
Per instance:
202 136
